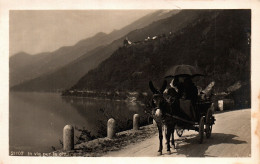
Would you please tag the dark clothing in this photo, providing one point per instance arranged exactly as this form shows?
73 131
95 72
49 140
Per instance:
180 88
187 91
190 90
191 93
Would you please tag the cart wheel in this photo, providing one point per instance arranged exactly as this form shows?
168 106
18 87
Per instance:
209 123
201 130
179 132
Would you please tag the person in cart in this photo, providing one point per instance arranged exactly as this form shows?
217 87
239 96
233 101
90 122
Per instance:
187 92
183 89
190 90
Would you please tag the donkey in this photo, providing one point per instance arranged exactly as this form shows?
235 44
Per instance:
161 113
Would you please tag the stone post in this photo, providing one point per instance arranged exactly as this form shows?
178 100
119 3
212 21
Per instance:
221 105
111 128
136 119
68 138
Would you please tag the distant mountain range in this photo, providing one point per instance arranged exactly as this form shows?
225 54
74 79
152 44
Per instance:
36 65
26 68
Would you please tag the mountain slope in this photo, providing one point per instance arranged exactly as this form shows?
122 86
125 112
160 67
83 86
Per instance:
216 41
67 75
54 60
20 66
50 61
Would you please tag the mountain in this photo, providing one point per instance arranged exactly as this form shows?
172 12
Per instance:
217 41
37 65
66 76
21 64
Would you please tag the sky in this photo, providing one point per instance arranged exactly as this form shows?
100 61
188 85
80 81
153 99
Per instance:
37 31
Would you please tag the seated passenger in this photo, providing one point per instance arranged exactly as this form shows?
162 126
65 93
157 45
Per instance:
190 90
191 93
173 97
183 88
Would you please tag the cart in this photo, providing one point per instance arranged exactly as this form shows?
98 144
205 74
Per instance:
201 118
200 114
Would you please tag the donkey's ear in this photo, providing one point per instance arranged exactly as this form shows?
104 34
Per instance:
152 87
163 86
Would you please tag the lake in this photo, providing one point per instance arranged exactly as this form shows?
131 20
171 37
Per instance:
36 120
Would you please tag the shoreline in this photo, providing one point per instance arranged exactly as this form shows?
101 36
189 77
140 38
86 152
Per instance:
98 98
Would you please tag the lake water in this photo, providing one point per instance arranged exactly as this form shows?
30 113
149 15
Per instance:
36 120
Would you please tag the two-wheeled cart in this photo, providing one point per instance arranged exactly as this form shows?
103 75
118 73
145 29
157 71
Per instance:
201 115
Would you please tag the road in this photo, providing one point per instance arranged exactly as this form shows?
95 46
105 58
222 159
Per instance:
231 137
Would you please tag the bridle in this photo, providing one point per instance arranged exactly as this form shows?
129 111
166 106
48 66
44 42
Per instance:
159 106
158 100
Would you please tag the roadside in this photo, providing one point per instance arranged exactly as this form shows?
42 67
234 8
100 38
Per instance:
144 142
100 146
231 137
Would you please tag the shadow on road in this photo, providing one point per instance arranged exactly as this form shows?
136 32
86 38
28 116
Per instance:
190 147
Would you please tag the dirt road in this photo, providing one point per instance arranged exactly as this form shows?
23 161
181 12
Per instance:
231 137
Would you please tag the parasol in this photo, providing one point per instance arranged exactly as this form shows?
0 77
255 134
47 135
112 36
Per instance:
183 70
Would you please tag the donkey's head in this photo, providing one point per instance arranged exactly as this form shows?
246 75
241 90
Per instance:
158 101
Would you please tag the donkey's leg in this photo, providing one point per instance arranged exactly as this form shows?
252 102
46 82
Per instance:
164 129
173 138
168 136
160 139
172 131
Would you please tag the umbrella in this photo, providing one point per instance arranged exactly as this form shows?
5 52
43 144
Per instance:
183 70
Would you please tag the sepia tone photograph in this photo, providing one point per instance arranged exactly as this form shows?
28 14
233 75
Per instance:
130 83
